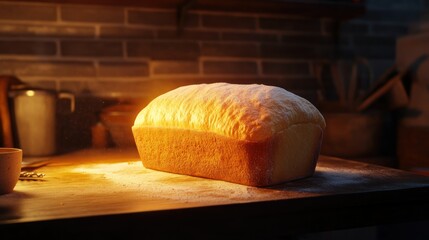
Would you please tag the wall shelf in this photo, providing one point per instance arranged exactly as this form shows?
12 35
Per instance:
340 10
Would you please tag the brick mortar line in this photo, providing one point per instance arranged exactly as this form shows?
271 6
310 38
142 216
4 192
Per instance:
258 23
203 41
26 3
200 61
213 76
90 5
151 27
401 8
244 14
149 78
233 75
54 57
96 68
291 76
306 34
369 22
92 39
28 39
220 29
158 61
148 9
200 20
285 61
137 58
289 32
254 59
279 38
151 68
126 17
58 49
68 60
18 21
123 78
97 31
259 68
63 39
175 75
230 42
228 59
15 57
312 70
402 24
196 12
57 85
155 34
49 23
124 49
56 78
58 13
262 31
155 77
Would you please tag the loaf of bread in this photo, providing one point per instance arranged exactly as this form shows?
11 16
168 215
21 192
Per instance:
254 135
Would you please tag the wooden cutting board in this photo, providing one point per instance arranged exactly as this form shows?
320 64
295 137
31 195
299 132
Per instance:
94 183
94 194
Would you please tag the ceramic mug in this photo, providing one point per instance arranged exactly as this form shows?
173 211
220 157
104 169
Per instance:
10 168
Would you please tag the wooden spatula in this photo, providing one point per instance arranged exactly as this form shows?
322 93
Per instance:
6 126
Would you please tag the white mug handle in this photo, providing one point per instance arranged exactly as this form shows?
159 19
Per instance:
70 97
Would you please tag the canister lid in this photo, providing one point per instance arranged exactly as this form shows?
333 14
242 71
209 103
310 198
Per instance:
31 92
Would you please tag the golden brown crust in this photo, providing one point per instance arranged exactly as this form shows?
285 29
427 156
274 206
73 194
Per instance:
253 134
204 155
214 156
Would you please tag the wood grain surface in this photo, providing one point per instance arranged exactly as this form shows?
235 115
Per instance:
90 187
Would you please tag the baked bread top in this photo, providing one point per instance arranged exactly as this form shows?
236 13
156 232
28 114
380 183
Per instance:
249 112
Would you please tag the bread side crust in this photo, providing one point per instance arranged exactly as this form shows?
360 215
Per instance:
214 156
296 152
204 154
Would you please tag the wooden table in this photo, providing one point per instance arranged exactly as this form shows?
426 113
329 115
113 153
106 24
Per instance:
108 194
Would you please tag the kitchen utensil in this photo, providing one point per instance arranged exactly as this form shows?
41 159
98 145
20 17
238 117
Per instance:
392 81
5 118
355 81
35 119
25 175
323 72
338 80
318 71
353 135
10 167
119 119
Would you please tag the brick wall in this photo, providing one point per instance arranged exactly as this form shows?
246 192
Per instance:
374 35
108 51
135 52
